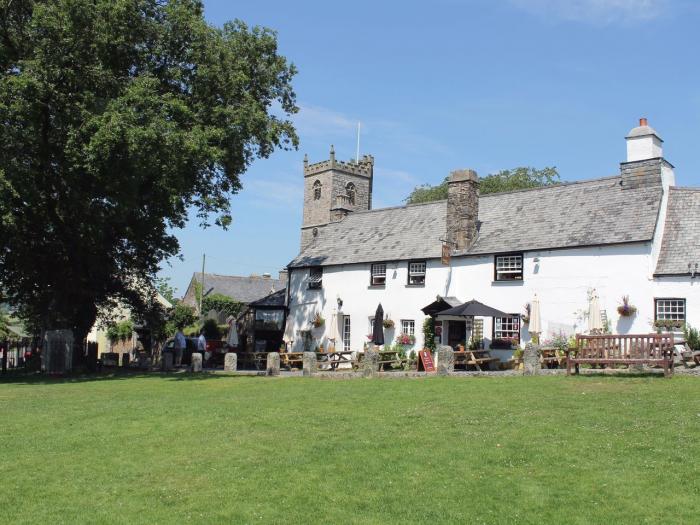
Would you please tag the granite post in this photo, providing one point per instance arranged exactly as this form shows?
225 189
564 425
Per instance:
309 366
531 360
196 362
445 360
231 362
370 363
273 364
167 361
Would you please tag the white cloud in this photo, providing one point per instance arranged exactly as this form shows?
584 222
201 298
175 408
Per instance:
322 122
596 11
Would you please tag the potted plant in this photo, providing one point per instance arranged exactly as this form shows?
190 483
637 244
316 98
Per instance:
505 343
626 309
388 323
318 321
668 324
406 339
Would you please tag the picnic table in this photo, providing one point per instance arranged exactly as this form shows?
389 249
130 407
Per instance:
333 360
256 360
390 358
474 358
551 357
290 360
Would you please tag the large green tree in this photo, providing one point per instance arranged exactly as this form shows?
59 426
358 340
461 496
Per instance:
119 117
505 180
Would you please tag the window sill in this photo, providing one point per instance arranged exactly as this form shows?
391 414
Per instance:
415 285
376 286
508 283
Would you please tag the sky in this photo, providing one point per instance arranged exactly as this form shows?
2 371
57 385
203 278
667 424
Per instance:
449 84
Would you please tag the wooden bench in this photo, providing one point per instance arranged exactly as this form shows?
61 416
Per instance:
474 358
290 360
604 350
390 358
332 360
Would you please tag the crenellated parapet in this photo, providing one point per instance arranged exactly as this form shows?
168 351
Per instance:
362 168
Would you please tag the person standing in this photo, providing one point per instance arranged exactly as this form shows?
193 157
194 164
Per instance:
202 347
180 344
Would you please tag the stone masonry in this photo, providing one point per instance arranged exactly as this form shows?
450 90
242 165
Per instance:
642 173
462 208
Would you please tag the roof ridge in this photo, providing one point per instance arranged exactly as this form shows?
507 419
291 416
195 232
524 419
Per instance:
198 274
683 188
399 207
562 184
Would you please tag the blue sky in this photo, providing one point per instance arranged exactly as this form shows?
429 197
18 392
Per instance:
448 84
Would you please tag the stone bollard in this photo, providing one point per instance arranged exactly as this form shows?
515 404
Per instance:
273 364
167 361
231 362
309 364
531 360
445 360
370 363
125 360
196 362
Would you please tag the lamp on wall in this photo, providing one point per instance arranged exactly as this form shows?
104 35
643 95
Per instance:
692 270
340 303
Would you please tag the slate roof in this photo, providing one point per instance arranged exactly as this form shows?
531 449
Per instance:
681 241
275 299
242 289
594 212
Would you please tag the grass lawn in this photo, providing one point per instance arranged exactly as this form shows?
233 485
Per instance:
167 449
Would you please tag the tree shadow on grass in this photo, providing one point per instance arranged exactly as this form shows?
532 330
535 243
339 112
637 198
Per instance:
24 378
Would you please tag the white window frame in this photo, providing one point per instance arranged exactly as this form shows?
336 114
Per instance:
416 272
377 273
408 326
507 327
670 309
346 333
509 267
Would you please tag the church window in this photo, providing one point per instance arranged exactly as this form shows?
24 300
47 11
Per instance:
317 190
350 192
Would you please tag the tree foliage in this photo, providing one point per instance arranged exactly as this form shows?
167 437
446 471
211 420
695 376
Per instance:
222 304
119 117
505 180
179 317
121 331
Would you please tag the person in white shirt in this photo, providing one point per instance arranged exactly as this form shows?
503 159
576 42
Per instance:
202 347
180 344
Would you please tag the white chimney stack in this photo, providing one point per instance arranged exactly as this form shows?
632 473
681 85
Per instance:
643 143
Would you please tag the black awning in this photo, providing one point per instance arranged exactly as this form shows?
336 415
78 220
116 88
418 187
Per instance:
440 304
473 308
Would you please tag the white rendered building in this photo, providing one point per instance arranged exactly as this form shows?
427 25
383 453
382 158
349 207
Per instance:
634 234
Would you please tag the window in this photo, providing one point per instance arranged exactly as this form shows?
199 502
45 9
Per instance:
378 274
346 333
416 272
506 328
509 267
408 326
317 190
269 319
315 278
350 192
669 310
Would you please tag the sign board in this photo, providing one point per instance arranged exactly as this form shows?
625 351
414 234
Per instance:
425 361
446 255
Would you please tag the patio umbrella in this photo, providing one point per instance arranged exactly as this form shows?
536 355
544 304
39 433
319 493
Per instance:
473 308
232 339
333 330
535 321
595 320
378 332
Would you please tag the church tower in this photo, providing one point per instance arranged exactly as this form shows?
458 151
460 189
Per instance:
332 190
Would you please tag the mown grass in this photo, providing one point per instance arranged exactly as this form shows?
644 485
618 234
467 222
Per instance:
165 449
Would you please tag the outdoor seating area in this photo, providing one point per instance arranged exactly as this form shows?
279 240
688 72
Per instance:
611 350
474 358
337 360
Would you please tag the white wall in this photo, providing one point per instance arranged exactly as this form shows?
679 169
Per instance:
560 278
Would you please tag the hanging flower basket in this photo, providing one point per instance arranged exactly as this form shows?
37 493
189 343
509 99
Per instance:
318 321
626 309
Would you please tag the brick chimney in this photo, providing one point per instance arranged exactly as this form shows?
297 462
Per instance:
462 208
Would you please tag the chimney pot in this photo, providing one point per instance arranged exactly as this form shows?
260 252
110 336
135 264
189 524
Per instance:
643 122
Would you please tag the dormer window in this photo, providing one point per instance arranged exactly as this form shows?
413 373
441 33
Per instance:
350 192
317 190
509 267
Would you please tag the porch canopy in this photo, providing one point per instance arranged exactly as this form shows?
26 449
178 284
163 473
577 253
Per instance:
440 304
471 308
